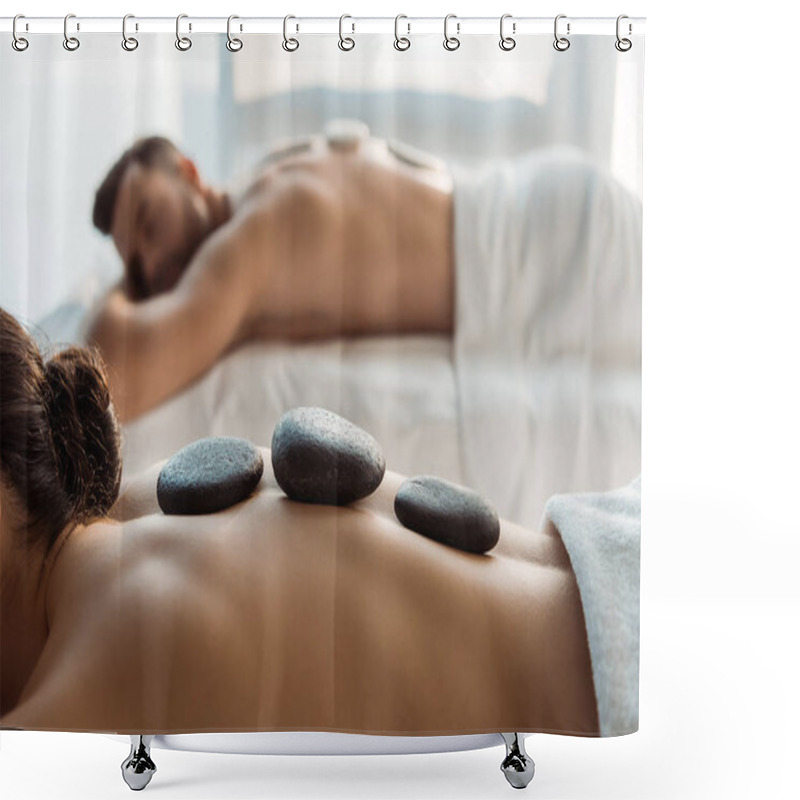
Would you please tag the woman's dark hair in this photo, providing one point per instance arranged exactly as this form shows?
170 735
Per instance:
60 442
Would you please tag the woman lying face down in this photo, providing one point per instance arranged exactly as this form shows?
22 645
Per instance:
271 614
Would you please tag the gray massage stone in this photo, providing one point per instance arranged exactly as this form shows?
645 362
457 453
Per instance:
321 457
208 475
447 512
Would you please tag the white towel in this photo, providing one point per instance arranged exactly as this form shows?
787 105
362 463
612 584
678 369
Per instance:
548 327
602 533
548 259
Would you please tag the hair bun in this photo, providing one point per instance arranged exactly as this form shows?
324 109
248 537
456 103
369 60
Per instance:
84 428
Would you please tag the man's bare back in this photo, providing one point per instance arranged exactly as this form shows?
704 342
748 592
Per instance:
275 614
341 238
349 239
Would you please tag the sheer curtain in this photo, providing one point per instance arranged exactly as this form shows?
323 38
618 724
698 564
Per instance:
48 182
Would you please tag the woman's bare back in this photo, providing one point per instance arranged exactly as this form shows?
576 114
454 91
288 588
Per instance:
279 615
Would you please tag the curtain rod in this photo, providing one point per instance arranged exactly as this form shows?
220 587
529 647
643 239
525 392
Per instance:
327 25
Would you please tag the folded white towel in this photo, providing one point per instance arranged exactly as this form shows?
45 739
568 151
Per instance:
602 533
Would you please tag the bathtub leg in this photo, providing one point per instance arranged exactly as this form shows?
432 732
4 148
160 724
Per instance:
138 768
517 766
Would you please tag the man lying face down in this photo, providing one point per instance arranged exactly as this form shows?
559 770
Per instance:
337 235
344 234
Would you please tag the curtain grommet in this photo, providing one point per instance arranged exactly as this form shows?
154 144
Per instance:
623 44
19 43
182 43
507 42
561 43
71 43
234 44
451 42
289 44
346 43
129 43
401 43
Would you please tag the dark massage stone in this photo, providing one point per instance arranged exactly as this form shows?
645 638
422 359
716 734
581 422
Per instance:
447 512
208 475
321 457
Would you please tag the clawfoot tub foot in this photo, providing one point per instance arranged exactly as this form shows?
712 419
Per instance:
517 766
138 768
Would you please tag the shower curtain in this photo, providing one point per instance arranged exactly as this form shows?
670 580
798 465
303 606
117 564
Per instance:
361 447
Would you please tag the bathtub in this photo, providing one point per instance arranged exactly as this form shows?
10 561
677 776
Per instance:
138 768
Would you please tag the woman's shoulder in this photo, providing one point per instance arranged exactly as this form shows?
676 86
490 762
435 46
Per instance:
72 679
120 622
137 495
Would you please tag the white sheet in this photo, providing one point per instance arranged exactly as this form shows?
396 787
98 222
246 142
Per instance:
399 389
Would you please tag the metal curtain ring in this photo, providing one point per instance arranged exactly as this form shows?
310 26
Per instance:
623 45
451 42
290 44
346 42
561 43
129 43
401 42
70 42
19 43
182 42
506 42
233 44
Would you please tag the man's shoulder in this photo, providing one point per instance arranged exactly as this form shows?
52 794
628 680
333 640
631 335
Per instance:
281 185
246 228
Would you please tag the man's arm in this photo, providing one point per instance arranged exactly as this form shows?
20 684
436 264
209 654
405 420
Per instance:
156 347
